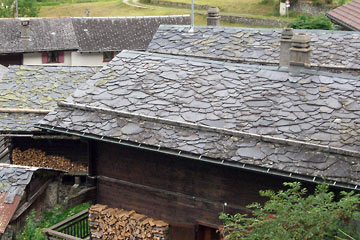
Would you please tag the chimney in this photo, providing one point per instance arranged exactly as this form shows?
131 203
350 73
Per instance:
285 44
25 28
300 50
213 16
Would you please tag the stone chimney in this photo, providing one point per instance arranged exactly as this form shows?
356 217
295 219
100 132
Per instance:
213 16
25 28
300 50
285 45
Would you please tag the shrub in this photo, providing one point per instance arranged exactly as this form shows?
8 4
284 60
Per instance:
33 227
308 22
294 215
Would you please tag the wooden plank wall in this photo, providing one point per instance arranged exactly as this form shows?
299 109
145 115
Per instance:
180 191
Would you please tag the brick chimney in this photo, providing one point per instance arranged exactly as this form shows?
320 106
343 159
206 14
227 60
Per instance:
213 16
285 45
25 28
300 50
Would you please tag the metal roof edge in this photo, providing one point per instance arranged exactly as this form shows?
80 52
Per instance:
197 157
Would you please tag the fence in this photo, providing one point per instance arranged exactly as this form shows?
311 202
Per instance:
73 228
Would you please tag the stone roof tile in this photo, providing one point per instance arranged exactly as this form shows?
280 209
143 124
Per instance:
261 102
332 49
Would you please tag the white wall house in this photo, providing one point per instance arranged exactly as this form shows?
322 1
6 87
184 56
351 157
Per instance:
70 58
76 41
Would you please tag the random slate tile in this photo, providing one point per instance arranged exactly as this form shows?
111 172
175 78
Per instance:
255 115
14 179
36 87
329 48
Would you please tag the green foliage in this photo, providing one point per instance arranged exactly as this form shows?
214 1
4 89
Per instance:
295 215
309 22
267 2
34 226
26 8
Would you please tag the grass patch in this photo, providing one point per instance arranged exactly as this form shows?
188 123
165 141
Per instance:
236 7
118 8
34 226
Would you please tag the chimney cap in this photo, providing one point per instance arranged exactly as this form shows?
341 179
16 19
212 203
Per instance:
301 38
287 33
25 21
213 10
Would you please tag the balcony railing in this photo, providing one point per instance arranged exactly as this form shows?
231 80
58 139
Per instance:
73 228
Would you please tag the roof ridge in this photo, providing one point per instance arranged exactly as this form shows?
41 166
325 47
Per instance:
246 65
211 129
259 29
126 17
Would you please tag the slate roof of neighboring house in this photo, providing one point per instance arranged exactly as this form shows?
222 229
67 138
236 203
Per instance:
304 122
36 87
87 34
347 15
3 70
13 181
47 34
119 33
329 48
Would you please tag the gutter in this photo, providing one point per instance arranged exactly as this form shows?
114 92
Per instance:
198 157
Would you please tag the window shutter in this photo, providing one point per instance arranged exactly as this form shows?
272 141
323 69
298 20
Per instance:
61 57
44 57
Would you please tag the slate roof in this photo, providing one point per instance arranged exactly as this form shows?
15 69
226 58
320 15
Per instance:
83 34
13 181
47 34
3 70
36 87
119 33
303 122
347 15
334 49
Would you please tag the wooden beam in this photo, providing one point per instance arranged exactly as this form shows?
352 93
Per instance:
25 110
173 194
51 232
32 199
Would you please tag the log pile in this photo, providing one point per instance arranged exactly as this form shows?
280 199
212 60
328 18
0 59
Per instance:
38 158
118 224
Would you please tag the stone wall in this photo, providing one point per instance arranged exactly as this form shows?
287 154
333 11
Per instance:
254 21
115 224
306 7
224 18
177 4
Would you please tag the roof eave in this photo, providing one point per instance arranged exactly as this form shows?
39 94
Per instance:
198 157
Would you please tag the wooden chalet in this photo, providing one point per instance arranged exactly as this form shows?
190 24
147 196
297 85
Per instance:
182 139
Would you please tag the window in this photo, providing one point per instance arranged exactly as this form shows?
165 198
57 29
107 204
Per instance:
53 57
108 56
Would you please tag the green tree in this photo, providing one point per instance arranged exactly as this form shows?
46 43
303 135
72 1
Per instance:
296 215
26 8
312 22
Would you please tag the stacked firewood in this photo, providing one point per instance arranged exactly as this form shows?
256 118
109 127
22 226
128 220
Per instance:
117 224
38 158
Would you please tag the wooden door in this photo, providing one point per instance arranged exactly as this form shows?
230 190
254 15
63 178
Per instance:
207 233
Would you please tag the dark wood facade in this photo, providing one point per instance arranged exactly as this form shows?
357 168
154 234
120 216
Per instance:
184 192
11 59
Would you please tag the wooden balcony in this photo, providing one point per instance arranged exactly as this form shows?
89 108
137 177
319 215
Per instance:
73 228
